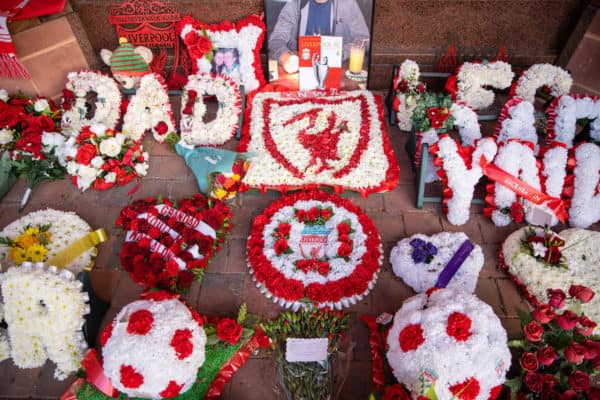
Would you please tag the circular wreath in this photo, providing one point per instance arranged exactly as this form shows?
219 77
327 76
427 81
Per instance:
313 247
153 348
44 309
196 132
452 341
107 104
41 235
101 158
168 244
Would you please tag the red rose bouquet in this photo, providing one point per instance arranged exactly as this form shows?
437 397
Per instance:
29 135
559 354
168 244
308 379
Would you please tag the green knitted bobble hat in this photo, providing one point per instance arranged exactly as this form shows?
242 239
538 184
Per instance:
125 61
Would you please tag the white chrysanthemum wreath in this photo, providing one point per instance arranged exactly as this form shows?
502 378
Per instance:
585 203
41 235
149 109
153 349
538 75
565 111
472 77
420 259
314 248
44 309
196 132
449 341
107 105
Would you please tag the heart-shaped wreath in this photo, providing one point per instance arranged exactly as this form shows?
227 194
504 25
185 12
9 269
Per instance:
313 247
168 243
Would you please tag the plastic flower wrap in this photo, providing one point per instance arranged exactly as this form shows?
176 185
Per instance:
29 135
312 379
558 355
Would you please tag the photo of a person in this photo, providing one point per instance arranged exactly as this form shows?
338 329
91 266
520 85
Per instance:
315 17
226 61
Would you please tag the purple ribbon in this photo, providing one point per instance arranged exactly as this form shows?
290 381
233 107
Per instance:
454 264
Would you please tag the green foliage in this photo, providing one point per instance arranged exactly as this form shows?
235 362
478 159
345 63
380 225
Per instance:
432 100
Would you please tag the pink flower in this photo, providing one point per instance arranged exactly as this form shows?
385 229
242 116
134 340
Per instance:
567 320
586 326
543 314
556 298
581 293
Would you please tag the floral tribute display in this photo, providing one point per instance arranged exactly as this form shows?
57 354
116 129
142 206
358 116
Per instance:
168 244
246 36
101 158
192 357
29 135
539 259
149 110
447 344
516 121
81 87
470 83
335 140
308 377
557 356
419 260
44 310
313 247
48 235
557 81
196 132
565 111
407 90
584 166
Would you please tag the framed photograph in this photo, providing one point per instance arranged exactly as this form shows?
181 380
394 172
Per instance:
295 60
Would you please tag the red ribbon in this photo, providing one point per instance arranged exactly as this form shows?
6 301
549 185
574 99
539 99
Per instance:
523 189
375 344
95 374
259 339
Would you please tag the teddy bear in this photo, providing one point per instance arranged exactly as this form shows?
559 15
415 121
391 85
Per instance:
127 63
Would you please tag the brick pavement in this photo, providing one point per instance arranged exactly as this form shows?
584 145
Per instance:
227 285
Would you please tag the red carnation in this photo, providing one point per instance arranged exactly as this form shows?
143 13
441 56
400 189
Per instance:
9 118
534 381
411 337
140 322
344 250
581 293
182 344
459 326
533 331
130 378
546 355
284 229
575 352
326 213
204 44
567 320
190 38
185 279
161 128
529 361
580 381
343 229
467 390
395 392
205 244
543 314
516 211
313 214
556 298
280 246
229 331
171 390
86 153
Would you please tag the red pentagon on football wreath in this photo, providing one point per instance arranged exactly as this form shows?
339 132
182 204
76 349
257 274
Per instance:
140 322
411 337
171 390
130 378
182 344
466 390
459 326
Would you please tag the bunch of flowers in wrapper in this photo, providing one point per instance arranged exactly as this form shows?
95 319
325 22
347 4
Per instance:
313 379
168 243
408 89
29 135
558 354
101 158
544 246
192 358
30 245
226 185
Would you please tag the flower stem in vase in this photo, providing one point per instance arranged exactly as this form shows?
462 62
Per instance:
25 199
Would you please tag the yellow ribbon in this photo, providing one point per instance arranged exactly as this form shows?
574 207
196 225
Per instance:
78 247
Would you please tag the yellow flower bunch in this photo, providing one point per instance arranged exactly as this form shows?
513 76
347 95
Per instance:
29 245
